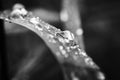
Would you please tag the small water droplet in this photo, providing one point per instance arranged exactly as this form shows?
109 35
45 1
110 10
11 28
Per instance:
79 32
51 38
101 76
34 20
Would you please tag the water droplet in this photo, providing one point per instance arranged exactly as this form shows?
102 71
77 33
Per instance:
79 32
51 38
68 35
89 61
63 51
101 76
34 20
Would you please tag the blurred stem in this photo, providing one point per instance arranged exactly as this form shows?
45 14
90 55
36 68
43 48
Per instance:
70 15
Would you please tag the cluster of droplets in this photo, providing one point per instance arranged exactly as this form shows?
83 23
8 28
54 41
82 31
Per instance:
69 45
66 39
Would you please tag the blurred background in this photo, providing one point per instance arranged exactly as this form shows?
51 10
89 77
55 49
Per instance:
27 52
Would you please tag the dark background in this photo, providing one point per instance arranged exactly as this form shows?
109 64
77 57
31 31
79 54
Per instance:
100 22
